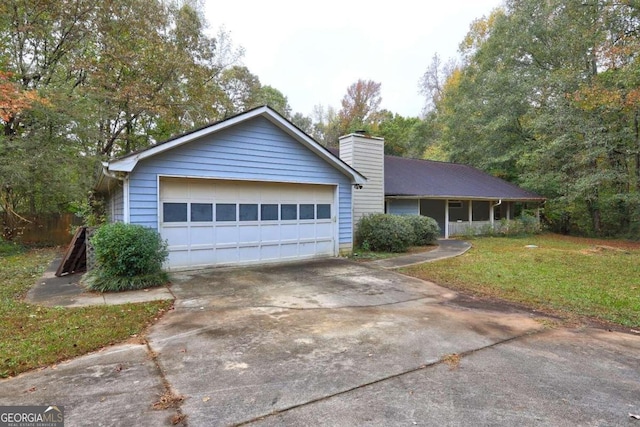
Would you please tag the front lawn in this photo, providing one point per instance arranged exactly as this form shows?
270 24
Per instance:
568 276
360 254
34 336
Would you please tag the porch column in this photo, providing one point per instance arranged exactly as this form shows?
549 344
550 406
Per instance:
446 219
470 213
491 215
508 210
126 215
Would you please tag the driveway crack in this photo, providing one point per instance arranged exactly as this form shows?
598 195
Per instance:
435 300
443 360
169 399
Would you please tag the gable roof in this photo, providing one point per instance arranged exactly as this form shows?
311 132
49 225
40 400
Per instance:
414 177
128 162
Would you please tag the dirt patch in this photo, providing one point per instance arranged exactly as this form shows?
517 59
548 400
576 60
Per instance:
600 249
452 360
617 244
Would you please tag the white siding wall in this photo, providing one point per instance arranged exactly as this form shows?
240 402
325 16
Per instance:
366 155
253 150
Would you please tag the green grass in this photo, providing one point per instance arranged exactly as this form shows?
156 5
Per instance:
571 277
34 336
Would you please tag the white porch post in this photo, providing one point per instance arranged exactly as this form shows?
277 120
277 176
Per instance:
125 201
446 219
491 215
470 213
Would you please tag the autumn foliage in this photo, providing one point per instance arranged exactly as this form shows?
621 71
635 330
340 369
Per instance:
13 99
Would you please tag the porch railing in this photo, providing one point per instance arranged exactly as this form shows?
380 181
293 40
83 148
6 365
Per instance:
463 228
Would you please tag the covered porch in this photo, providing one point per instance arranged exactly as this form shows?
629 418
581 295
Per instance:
459 216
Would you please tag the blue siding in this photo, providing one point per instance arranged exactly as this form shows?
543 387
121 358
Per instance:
403 207
253 150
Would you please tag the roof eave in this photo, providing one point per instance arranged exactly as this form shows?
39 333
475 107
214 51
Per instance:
128 163
461 197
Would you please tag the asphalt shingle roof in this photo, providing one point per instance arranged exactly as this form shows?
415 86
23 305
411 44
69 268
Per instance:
414 177
405 177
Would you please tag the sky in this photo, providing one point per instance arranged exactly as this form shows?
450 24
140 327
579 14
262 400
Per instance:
313 51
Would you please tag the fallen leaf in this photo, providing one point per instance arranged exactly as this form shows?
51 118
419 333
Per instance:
206 399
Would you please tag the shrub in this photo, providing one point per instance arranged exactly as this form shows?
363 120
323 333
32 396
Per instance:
521 226
425 229
385 233
10 248
127 257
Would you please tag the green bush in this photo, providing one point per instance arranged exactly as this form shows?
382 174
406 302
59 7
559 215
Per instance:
521 226
385 233
10 248
127 257
425 229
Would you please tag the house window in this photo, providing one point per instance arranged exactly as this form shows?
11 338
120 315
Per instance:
174 212
288 212
269 212
307 211
323 211
201 212
455 204
225 212
248 212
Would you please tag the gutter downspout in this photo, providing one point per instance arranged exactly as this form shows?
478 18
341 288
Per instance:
493 212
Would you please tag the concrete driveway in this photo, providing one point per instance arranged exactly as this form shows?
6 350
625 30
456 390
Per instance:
332 342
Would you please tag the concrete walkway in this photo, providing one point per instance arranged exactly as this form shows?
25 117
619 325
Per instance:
66 291
446 249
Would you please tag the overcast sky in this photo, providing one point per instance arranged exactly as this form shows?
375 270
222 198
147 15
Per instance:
312 51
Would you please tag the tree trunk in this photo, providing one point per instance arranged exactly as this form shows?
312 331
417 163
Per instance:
636 128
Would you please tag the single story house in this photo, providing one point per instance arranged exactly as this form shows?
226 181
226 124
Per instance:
254 188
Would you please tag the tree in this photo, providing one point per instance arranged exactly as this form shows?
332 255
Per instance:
81 81
360 107
547 97
268 95
432 81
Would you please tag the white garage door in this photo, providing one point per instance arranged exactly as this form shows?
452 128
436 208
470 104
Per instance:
212 222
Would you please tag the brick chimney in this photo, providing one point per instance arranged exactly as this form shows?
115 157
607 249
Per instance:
366 155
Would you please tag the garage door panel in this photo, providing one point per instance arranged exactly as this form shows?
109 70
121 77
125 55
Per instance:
202 236
289 250
176 235
307 249
324 247
249 252
289 232
227 256
178 257
249 233
227 235
324 230
270 233
307 231
275 233
269 252
202 256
